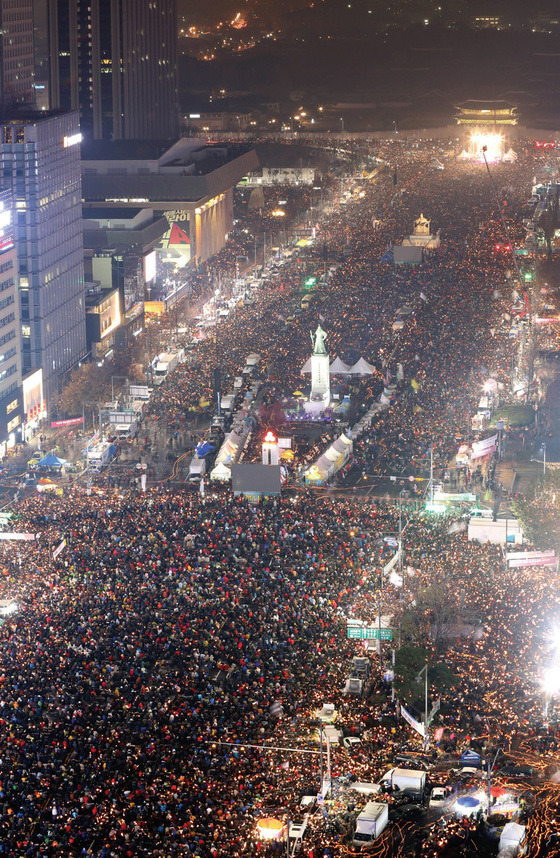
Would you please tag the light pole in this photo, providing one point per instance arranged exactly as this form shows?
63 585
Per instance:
342 124
237 258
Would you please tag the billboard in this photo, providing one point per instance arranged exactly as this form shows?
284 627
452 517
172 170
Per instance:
150 267
256 479
6 225
176 241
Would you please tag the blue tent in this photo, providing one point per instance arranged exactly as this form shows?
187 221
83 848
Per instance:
51 462
388 256
203 449
471 758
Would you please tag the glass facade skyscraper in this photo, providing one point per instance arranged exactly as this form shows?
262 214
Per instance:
40 157
17 62
115 60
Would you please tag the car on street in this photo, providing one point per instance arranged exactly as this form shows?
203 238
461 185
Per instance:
438 797
351 742
405 812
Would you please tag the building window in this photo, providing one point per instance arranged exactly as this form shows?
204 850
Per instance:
13 404
13 423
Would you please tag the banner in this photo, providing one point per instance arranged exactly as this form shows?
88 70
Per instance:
446 497
484 448
72 421
435 709
520 559
416 725
58 549
26 537
392 563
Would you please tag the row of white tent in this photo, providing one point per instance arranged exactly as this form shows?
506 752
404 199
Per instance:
331 461
228 454
338 367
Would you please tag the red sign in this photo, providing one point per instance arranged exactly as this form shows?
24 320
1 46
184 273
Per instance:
73 421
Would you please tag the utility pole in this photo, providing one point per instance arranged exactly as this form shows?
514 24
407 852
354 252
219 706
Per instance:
425 671
490 767
379 618
426 740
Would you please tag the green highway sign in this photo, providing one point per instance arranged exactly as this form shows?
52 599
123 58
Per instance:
370 634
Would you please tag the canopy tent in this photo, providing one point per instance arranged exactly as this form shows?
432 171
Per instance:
338 367
230 449
221 473
464 156
388 256
510 156
361 367
50 461
46 485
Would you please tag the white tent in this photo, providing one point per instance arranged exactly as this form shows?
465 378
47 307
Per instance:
510 156
464 156
306 368
338 367
511 838
361 367
221 473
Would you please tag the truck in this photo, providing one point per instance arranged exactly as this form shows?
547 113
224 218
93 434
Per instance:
409 779
227 402
166 363
197 469
371 822
253 360
99 455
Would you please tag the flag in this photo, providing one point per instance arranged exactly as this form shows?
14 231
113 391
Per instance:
424 298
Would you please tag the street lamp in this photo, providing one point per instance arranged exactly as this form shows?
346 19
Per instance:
237 258
342 124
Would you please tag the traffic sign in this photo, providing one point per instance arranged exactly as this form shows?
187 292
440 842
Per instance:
371 634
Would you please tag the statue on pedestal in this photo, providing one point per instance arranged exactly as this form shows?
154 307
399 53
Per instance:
320 377
319 341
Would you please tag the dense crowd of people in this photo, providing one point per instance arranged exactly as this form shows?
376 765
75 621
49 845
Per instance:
158 665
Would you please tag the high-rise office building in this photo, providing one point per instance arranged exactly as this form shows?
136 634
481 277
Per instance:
115 61
11 402
40 164
17 61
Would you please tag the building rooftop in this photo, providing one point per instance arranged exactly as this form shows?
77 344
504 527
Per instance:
123 150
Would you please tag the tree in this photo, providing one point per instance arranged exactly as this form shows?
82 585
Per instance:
430 619
88 383
409 661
